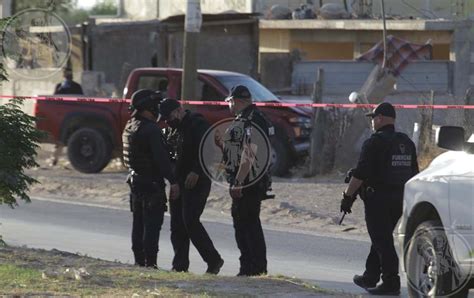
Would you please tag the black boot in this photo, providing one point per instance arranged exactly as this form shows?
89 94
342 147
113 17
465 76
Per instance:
260 269
151 261
365 281
216 267
389 286
139 259
243 272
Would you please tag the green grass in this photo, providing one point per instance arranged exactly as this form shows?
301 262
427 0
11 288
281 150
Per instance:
16 280
14 277
21 273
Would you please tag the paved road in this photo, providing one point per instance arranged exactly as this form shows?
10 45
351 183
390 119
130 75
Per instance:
104 233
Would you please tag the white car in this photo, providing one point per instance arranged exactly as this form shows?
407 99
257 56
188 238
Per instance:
436 230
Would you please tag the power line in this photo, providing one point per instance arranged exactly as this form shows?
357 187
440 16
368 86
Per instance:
420 10
422 93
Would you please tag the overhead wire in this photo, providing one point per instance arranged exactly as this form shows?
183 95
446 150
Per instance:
420 10
423 94
415 88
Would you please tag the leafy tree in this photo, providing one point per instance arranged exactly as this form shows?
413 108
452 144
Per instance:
58 6
68 10
18 143
65 9
105 7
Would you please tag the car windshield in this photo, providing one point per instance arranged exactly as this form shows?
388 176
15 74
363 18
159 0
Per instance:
258 91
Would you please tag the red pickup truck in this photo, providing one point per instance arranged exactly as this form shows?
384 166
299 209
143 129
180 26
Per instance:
92 130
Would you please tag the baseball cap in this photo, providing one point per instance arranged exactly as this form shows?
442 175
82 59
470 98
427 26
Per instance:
167 106
239 92
384 109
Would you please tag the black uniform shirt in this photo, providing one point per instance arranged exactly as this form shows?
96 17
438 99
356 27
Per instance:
373 156
258 118
191 131
68 87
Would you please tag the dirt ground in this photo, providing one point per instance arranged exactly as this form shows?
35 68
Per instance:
36 272
309 204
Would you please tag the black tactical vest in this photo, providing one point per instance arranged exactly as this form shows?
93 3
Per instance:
238 134
137 155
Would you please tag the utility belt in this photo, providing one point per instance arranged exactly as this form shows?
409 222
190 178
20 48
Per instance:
367 192
139 178
263 185
267 186
146 190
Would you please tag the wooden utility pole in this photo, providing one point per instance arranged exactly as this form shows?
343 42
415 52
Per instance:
385 47
426 127
192 27
317 139
468 123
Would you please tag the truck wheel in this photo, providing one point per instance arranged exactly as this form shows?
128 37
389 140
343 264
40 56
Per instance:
431 268
88 150
280 157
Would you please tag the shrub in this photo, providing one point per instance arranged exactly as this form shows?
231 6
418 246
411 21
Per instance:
19 140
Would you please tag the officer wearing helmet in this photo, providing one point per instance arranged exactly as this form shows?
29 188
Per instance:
146 157
387 161
246 156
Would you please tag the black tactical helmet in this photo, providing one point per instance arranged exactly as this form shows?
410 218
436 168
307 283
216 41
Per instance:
145 100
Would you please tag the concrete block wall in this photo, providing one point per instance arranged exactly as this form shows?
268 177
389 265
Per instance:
5 8
177 7
461 58
231 48
141 9
471 56
20 86
119 48
414 8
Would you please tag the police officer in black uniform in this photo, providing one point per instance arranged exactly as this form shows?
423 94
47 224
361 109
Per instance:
387 161
195 186
68 86
249 177
148 162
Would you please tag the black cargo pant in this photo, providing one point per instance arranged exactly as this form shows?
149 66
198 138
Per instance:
249 233
148 207
383 209
186 226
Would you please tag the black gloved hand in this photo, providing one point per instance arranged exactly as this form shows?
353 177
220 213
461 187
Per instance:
346 203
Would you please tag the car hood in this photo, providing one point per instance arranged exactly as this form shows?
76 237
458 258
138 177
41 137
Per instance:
447 164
